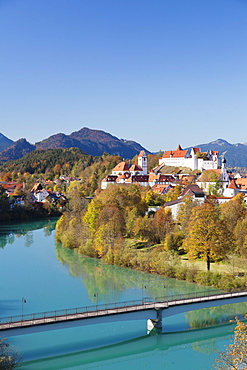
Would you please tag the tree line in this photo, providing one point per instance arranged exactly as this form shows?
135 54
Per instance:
116 227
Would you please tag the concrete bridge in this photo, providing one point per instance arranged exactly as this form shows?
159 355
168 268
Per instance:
152 310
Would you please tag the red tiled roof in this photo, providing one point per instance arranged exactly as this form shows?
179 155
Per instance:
135 167
196 150
174 154
242 182
160 188
232 185
122 166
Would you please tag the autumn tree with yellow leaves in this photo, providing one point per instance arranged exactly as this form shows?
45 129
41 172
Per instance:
208 234
235 356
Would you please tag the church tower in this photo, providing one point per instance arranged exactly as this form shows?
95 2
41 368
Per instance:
224 174
143 161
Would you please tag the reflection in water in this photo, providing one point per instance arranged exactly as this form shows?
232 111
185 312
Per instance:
74 277
163 351
215 315
105 279
11 231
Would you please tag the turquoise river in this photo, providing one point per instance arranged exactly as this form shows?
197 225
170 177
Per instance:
39 275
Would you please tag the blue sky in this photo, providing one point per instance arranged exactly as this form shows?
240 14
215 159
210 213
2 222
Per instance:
160 72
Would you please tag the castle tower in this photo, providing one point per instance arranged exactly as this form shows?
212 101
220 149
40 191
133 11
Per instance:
143 161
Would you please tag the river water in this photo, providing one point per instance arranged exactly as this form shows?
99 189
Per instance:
38 275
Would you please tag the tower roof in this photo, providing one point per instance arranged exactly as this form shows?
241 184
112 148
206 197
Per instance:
142 153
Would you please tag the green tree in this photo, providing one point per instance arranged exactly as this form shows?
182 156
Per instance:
92 213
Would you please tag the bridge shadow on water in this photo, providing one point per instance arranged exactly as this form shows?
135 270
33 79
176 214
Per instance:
138 348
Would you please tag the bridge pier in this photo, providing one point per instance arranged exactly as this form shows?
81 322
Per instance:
155 325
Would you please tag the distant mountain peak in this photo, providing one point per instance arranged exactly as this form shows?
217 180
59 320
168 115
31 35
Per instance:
17 150
4 142
235 154
220 142
94 142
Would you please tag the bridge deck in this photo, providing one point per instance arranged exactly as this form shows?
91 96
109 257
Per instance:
81 315
112 309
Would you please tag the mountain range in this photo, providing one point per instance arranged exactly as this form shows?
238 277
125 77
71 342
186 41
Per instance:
235 154
96 142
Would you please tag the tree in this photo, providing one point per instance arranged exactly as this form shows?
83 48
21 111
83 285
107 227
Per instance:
234 211
174 241
210 176
113 218
208 236
235 356
173 193
163 223
7 176
92 214
240 233
9 357
184 213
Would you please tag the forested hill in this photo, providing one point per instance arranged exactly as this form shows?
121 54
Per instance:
41 161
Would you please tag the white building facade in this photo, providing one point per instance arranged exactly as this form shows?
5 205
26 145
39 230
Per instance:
191 158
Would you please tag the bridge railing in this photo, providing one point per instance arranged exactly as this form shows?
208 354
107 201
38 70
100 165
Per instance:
135 304
198 295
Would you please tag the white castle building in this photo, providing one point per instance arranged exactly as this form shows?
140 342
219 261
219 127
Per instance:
192 158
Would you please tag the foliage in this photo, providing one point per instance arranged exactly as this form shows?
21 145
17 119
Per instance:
234 211
184 213
240 233
174 242
154 199
173 193
210 176
163 223
208 235
44 161
202 155
235 356
9 357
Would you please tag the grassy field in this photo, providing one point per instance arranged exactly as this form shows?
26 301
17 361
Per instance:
234 266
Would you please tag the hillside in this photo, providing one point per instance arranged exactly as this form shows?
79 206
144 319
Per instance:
16 150
94 142
235 154
4 142
41 161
